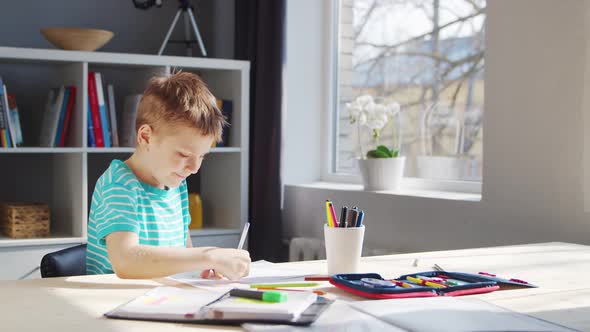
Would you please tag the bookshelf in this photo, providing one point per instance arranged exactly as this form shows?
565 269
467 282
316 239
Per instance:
64 177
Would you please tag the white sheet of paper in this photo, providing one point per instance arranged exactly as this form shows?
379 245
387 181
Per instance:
446 314
260 272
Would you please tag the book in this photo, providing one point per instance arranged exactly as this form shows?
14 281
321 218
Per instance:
113 114
94 111
104 122
62 116
128 130
226 108
10 135
91 142
194 305
3 139
15 118
51 117
68 114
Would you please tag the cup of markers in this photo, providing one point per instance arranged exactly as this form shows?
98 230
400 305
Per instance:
343 239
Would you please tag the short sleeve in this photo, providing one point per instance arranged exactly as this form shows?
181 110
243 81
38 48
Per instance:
186 216
116 211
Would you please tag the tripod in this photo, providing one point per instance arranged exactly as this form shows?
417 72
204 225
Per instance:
186 9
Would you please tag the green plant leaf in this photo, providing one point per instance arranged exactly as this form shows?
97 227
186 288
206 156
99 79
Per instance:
377 154
395 153
384 150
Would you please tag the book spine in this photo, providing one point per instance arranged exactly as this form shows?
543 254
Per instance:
44 137
226 110
102 110
113 111
69 109
7 142
62 116
98 138
91 141
54 116
15 116
3 137
2 122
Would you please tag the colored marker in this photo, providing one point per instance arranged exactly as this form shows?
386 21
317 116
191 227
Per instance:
328 216
352 217
265 296
403 284
317 278
359 221
378 283
343 216
434 280
425 282
333 215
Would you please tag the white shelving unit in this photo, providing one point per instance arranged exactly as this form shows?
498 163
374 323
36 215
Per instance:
65 177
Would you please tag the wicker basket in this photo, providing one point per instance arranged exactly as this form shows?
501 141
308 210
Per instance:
24 220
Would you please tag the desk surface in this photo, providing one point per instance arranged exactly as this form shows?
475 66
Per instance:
77 303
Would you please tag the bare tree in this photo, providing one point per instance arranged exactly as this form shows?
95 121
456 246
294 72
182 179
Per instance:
442 65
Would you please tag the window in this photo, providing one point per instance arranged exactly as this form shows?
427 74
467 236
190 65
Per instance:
426 55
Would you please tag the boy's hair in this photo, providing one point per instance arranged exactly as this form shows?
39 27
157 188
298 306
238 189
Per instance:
182 98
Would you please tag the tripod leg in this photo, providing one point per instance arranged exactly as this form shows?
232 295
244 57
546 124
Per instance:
194 24
169 32
187 34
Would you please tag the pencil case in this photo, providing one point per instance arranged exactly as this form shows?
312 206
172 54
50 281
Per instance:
458 284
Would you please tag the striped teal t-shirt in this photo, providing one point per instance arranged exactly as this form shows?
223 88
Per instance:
123 203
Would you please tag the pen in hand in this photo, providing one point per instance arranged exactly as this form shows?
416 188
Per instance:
210 274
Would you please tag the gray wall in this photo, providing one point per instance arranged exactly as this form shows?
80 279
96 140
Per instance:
533 170
136 31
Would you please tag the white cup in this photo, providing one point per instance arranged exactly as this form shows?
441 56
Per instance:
343 248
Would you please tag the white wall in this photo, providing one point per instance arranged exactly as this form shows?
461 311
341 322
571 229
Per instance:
304 91
533 173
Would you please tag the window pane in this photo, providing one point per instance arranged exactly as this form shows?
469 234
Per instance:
428 56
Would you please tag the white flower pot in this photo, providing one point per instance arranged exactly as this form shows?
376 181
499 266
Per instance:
382 173
444 168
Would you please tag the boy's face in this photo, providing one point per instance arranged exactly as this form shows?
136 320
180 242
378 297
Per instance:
175 153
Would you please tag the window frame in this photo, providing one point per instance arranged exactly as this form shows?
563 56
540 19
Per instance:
330 120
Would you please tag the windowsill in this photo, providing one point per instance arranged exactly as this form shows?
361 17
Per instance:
423 193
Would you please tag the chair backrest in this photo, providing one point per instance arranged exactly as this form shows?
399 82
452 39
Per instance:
64 263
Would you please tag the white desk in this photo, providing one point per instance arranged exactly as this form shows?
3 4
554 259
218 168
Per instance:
77 303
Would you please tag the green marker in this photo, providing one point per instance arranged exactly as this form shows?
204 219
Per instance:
286 285
265 296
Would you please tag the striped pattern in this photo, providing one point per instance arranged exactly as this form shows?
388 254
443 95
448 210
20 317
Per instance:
122 203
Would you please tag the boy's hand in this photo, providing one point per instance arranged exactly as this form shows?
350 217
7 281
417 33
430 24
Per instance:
230 263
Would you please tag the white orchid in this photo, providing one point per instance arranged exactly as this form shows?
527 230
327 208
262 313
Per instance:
366 112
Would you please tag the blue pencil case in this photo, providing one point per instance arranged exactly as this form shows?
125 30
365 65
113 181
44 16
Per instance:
423 284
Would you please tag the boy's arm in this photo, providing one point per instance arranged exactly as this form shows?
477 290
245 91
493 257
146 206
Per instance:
189 242
131 260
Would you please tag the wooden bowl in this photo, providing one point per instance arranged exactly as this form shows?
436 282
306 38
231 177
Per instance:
77 39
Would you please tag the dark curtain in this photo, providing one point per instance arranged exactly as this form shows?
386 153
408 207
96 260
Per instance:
260 31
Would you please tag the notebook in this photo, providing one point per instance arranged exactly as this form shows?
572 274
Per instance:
192 305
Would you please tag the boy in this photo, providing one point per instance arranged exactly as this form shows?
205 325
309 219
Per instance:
138 223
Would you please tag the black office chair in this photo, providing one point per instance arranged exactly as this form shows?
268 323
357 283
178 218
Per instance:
64 263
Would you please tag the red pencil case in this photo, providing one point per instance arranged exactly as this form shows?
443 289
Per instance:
464 285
